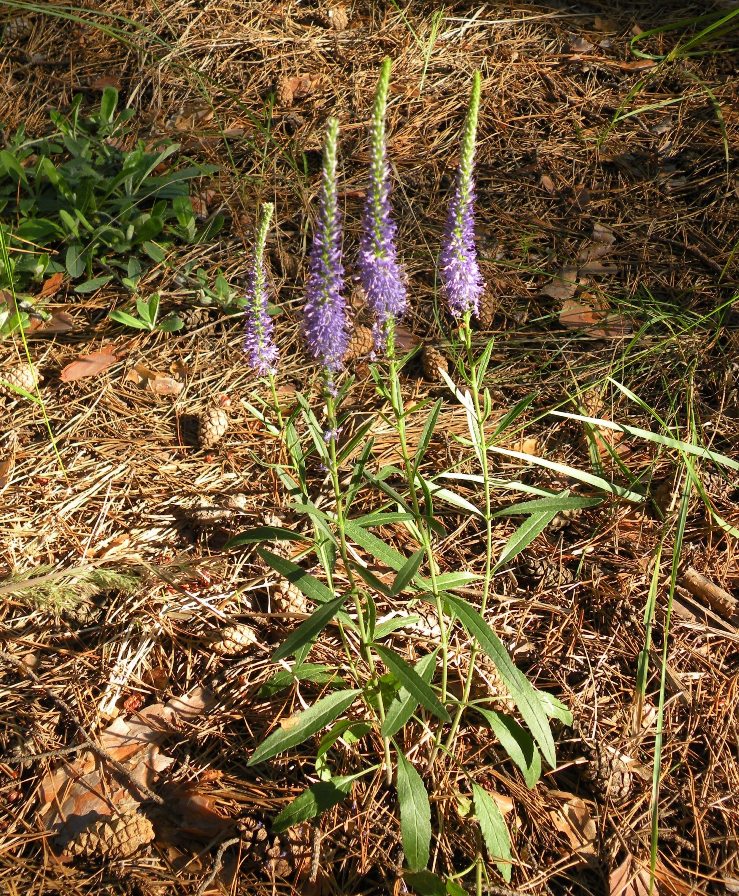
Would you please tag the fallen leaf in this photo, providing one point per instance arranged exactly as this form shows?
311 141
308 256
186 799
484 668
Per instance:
563 286
548 184
595 321
58 322
629 880
603 240
106 81
573 819
51 285
88 365
291 89
578 315
580 45
162 384
603 23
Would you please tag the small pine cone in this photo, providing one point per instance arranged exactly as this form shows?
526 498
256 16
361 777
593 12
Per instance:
18 29
335 17
564 518
290 852
432 360
212 426
544 572
194 318
487 308
234 640
22 376
253 836
361 343
716 485
116 837
487 682
290 599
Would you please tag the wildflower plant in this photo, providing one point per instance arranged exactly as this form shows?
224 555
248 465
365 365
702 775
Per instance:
379 694
380 272
259 342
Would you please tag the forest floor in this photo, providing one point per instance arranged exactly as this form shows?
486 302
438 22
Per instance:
608 219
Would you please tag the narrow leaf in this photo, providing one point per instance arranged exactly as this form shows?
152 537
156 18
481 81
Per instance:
379 549
523 536
412 682
298 728
260 534
312 802
404 704
494 831
405 575
415 815
524 695
516 741
307 631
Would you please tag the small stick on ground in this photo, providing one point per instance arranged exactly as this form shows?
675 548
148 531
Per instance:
718 600
217 865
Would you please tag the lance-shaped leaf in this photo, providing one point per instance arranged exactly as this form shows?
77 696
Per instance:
405 703
412 682
312 802
415 815
494 831
298 728
308 630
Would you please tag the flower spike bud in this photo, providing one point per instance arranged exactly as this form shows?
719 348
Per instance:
258 340
325 316
381 275
461 280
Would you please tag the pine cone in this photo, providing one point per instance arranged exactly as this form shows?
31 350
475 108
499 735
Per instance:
290 599
564 518
212 426
335 17
716 485
194 318
544 572
432 360
234 640
290 852
22 376
18 28
253 836
361 344
116 837
488 306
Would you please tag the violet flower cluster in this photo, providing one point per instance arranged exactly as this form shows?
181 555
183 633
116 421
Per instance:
380 272
325 316
461 280
259 342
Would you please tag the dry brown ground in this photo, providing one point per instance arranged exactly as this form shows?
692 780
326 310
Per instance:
129 492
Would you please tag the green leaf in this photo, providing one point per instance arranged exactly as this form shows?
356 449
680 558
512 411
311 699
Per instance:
405 703
415 815
128 320
426 883
555 708
556 503
317 673
426 434
523 536
412 682
383 629
171 324
379 549
154 251
312 802
516 741
261 534
307 631
94 284
524 695
303 581
108 104
408 571
74 262
302 726
494 831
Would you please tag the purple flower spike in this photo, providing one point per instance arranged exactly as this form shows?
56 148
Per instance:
258 341
461 280
381 275
325 321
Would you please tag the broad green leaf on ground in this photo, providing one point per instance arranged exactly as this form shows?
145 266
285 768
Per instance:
405 703
524 695
318 798
309 630
412 682
415 815
516 741
295 729
494 831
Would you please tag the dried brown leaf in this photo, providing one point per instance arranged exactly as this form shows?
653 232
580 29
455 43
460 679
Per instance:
58 322
629 880
51 285
573 819
563 286
88 365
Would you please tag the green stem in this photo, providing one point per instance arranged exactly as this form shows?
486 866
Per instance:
354 591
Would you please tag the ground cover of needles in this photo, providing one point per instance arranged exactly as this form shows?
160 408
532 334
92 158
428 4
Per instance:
608 245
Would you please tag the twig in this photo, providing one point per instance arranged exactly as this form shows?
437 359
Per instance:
217 865
718 600
101 754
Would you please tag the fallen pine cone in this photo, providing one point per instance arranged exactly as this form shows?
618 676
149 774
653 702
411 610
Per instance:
432 360
22 376
212 426
234 639
116 837
361 344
